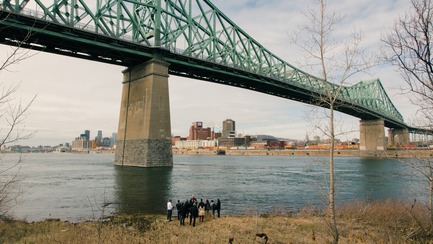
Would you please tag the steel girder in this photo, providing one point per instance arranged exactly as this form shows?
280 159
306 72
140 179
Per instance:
371 95
199 30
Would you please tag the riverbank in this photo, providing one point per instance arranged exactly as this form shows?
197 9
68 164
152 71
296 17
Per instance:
425 153
383 222
311 153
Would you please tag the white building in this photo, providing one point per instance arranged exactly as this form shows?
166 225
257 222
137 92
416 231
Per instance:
194 144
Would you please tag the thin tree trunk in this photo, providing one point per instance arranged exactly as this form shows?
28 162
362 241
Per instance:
321 46
331 176
431 199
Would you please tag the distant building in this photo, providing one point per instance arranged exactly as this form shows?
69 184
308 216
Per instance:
20 149
268 144
99 137
248 140
197 132
328 141
231 142
87 133
175 139
229 128
195 144
61 148
259 144
113 139
105 142
217 135
81 144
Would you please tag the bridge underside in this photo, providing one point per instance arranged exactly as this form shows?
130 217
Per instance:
60 39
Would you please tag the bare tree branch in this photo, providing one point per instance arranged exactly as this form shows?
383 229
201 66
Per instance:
410 49
335 62
13 114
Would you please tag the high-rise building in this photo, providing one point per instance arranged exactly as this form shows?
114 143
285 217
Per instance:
197 132
86 135
83 142
87 132
229 128
99 136
113 139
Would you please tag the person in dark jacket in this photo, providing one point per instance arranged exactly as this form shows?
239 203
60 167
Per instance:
213 206
201 203
207 208
178 204
218 207
187 206
182 213
193 214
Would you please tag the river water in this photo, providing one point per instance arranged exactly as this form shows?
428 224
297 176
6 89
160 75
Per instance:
78 187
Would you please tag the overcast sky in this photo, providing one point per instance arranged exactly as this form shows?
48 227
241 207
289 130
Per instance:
74 95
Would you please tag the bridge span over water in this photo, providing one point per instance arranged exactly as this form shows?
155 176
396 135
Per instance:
189 38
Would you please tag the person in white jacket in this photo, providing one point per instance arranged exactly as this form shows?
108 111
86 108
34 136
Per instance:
169 210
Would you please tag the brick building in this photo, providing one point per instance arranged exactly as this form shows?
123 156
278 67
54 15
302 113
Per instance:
197 132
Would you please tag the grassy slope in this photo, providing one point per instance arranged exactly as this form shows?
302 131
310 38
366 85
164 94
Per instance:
386 222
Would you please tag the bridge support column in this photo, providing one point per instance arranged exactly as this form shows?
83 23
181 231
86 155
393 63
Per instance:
372 135
398 137
391 141
144 132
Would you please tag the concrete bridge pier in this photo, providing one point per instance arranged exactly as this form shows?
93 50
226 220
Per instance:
398 137
144 132
372 135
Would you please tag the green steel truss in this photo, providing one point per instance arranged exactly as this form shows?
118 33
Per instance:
199 30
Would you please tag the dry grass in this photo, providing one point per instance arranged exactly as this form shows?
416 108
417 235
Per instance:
384 222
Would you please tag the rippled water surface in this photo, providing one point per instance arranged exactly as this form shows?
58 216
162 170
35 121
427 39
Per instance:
75 187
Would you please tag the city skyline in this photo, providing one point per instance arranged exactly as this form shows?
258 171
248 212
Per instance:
73 92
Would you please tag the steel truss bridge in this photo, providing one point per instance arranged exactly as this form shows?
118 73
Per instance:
194 36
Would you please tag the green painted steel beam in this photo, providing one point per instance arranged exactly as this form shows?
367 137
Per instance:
187 31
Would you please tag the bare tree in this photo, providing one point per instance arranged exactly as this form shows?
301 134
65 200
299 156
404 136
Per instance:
334 62
12 117
410 46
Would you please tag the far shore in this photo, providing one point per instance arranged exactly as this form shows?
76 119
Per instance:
422 153
311 153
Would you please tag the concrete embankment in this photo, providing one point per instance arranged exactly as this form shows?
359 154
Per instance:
315 153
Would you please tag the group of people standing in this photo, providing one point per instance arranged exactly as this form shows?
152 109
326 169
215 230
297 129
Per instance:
193 209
